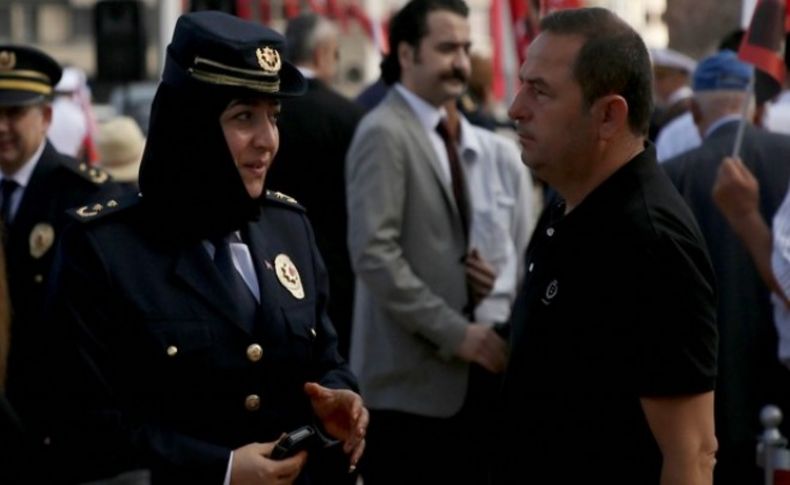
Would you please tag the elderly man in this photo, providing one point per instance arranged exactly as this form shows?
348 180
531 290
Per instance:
750 373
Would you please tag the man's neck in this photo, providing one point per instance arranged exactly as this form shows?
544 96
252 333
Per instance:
610 159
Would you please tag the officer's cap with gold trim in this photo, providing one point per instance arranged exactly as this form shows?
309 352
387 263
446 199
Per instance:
220 49
27 75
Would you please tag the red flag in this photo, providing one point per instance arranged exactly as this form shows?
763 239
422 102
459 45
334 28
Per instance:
763 46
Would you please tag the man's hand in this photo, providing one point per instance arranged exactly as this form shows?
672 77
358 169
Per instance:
480 276
252 465
735 191
483 346
342 415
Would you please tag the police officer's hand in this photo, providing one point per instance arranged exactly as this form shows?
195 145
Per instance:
480 276
342 415
252 465
483 346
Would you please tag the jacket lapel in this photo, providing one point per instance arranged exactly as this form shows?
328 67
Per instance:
263 259
416 132
195 268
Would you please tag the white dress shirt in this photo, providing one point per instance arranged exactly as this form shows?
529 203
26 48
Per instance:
501 195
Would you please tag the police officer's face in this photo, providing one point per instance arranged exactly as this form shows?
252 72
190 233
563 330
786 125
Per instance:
438 68
250 127
22 129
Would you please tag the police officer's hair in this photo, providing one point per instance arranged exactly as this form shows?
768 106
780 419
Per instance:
410 25
303 34
613 60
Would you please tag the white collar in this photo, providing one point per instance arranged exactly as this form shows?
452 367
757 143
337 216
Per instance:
22 176
721 121
426 113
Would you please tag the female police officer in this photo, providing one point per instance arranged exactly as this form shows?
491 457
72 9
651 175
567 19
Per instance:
190 322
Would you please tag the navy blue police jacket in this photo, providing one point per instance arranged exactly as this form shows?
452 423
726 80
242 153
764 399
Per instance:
155 370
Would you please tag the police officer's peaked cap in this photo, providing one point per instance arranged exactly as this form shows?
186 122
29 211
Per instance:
27 75
220 49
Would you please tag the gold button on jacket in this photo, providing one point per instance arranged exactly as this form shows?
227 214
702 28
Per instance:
252 402
254 352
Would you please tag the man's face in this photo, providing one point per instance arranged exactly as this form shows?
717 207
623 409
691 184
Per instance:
438 68
22 129
666 81
250 128
328 55
555 129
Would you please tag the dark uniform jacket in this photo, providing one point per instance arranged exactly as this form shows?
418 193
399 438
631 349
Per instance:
751 374
57 183
315 133
160 373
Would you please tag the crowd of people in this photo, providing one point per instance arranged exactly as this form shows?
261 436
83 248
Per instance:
401 287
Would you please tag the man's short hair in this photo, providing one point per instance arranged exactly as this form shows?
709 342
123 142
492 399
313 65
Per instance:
612 60
410 25
303 34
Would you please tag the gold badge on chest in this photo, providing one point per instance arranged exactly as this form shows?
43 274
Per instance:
41 238
288 275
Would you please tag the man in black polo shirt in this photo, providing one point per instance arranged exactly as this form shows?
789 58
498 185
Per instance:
614 341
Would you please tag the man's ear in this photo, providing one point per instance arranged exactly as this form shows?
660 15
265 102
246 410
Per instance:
405 54
46 112
611 112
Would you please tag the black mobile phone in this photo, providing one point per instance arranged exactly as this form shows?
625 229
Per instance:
304 438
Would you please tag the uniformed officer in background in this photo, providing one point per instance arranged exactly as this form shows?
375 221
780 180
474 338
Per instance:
37 186
193 318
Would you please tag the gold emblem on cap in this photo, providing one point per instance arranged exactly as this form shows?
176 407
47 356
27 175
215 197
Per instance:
41 238
7 60
289 275
269 60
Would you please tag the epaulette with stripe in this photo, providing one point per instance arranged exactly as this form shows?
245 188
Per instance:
283 199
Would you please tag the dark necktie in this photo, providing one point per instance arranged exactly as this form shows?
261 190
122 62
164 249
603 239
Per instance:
7 189
246 304
456 175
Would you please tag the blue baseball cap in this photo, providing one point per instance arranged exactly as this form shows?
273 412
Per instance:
722 71
214 48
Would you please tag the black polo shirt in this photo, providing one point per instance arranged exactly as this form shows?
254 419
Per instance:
618 303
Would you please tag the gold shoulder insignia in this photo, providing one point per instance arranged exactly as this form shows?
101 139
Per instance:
95 210
283 199
94 174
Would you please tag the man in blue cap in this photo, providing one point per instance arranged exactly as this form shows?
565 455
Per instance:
193 324
37 186
750 374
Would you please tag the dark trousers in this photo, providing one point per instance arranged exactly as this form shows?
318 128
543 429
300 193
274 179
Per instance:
404 448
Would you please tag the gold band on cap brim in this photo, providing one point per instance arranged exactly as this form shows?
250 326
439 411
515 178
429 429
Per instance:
23 73
225 80
32 86
225 67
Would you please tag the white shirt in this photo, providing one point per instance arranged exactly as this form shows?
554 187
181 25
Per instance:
777 116
22 177
69 126
780 264
501 195
678 136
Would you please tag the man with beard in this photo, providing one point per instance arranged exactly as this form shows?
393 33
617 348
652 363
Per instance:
191 320
413 338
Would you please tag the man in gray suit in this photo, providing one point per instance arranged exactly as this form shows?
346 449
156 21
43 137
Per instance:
413 343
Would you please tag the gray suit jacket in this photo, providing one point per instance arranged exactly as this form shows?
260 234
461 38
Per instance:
407 246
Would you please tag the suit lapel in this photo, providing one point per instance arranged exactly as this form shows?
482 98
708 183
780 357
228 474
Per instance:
416 132
195 268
